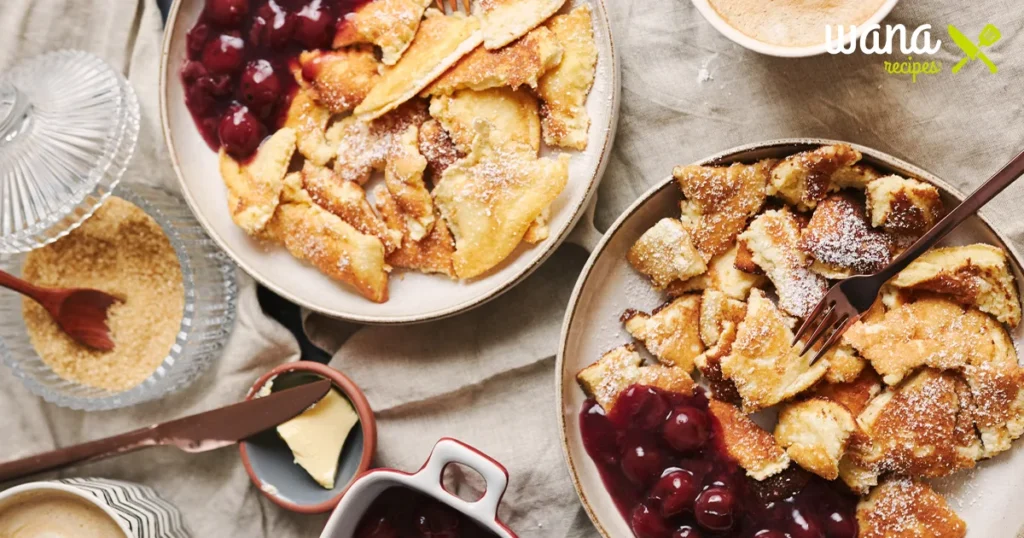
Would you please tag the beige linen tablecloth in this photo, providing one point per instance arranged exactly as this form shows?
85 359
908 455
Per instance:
487 377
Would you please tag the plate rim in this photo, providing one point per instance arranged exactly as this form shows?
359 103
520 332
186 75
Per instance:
729 155
577 211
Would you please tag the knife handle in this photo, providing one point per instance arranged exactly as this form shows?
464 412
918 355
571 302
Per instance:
86 452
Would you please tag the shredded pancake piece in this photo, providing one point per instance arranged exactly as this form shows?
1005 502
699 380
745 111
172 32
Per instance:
563 90
388 24
671 333
721 200
492 196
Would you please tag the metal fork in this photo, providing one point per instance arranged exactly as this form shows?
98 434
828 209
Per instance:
454 6
847 301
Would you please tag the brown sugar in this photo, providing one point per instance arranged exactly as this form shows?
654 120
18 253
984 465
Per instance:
120 250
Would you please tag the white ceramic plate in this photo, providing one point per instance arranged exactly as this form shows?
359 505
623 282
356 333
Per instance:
415 297
984 497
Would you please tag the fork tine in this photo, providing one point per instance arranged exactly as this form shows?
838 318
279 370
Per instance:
809 321
440 5
454 4
844 323
466 4
824 325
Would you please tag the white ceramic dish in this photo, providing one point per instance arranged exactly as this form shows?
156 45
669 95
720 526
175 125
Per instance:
427 481
415 297
136 509
984 497
716 20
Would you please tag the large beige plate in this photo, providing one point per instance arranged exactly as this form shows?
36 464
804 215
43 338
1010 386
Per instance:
985 497
415 297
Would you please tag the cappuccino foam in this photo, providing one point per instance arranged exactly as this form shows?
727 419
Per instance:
793 23
54 514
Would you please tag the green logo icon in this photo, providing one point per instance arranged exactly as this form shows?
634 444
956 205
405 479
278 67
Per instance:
988 37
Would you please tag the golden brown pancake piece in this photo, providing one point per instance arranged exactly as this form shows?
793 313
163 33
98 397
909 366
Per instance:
513 114
330 244
621 367
347 200
773 239
432 254
309 120
388 24
340 79
974 275
722 200
753 448
666 253
671 333
763 364
563 90
492 196
520 63
904 508
803 179
504 21
440 42
254 189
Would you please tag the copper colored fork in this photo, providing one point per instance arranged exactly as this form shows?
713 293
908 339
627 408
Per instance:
81 313
847 301
454 6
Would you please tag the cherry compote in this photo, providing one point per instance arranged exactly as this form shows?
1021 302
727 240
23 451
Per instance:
241 54
661 458
403 513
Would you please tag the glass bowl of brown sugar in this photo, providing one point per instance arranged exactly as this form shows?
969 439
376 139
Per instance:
177 307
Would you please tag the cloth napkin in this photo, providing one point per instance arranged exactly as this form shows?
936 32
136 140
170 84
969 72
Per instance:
487 377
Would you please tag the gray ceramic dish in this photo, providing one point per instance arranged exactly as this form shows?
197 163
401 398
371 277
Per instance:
984 497
270 462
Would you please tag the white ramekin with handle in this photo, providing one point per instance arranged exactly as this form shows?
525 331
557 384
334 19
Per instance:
136 509
427 481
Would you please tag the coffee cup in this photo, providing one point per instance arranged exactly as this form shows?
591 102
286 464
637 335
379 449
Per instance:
87 508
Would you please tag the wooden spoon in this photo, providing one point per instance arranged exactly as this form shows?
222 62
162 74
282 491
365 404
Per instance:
80 312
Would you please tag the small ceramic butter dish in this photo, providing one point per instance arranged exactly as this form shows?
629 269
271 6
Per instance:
273 466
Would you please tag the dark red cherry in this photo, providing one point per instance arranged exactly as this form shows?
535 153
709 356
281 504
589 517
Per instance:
227 12
376 528
803 525
195 41
686 531
272 26
240 132
645 408
314 25
676 491
218 85
224 54
436 520
686 429
840 525
260 87
769 533
192 71
714 509
647 523
643 462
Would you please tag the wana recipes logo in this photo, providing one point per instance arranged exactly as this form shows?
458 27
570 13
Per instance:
873 39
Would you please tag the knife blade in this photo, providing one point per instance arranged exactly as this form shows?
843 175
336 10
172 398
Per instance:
964 42
197 433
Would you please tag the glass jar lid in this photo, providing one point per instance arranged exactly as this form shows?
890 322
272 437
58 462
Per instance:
69 123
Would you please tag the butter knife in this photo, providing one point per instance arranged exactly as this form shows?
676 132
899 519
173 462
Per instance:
197 433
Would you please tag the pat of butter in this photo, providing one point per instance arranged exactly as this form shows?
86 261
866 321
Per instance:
317 435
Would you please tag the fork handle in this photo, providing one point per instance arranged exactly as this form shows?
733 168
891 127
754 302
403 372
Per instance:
986 192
